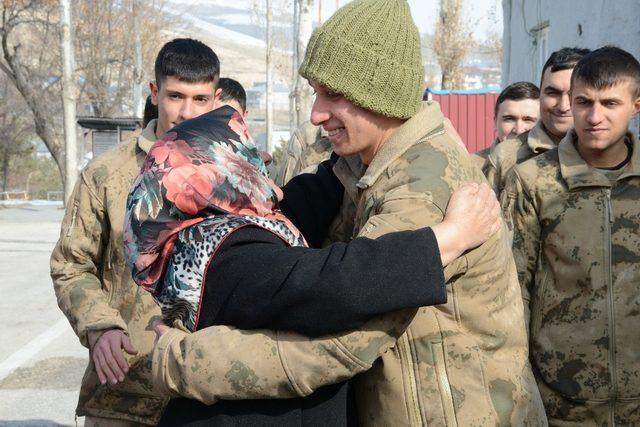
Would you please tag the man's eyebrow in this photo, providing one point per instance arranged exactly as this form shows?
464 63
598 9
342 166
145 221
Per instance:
551 88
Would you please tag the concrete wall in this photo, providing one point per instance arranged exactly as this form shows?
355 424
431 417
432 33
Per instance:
582 23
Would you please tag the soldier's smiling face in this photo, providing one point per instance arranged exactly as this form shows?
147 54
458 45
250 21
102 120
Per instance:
555 107
351 129
601 116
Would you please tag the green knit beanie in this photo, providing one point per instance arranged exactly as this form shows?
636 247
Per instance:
369 51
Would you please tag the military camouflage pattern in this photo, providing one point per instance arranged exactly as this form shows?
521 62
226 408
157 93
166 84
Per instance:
577 250
513 151
307 148
481 157
223 363
465 362
94 287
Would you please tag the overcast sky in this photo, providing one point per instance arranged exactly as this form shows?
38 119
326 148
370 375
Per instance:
488 14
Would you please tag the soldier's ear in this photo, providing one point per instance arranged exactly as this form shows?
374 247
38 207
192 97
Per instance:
153 87
636 106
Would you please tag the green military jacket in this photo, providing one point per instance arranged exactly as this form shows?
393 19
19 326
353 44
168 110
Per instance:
577 250
465 362
513 151
94 287
462 363
482 157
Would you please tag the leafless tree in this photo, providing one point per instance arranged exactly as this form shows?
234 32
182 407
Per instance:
104 50
451 42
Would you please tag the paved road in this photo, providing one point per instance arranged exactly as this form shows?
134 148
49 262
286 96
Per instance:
41 360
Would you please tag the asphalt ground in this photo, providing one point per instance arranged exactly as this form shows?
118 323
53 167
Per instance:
41 359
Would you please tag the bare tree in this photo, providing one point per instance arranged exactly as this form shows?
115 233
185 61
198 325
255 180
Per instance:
31 58
31 61
301 92
15 127
451 42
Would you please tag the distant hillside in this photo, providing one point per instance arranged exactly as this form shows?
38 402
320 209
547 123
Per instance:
236 33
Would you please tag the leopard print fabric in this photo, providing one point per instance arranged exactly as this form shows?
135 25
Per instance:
180 296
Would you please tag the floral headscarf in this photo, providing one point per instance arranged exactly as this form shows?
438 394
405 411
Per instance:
202 181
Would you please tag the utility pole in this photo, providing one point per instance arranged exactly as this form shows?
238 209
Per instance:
319 12
269 95
68 99
138 103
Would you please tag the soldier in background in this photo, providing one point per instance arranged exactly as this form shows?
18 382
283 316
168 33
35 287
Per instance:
110 314
150 112
576 218
555 118
233 94
516 111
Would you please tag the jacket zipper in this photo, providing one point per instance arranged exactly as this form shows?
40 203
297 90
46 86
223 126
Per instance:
612 323
413 406
443 384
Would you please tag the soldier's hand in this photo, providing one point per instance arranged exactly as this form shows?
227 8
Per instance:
108 357
159 327
472 217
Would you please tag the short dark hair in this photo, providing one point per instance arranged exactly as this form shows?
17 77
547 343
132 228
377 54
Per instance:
606 67
150 112
231 89
517 92
188 60
563 59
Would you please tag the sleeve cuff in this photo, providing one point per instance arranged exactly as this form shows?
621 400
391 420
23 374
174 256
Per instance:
162 364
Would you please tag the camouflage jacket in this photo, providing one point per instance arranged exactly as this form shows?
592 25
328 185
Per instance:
94 287
577 250
513 151
307 148
461 363
482 157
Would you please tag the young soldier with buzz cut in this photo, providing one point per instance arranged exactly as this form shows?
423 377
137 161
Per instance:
516 111
555 119
110 314
576 216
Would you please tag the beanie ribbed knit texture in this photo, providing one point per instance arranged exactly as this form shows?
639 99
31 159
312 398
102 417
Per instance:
369 51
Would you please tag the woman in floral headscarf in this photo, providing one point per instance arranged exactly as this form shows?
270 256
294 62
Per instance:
204 235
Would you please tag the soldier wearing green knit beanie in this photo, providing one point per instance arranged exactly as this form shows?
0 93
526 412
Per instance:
464 362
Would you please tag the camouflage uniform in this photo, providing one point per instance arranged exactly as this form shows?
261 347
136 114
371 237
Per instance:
307 148
577 250
482 157
461 363
513 151
94 287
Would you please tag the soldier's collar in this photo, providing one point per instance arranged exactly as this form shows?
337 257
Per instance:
577 173
428 121
539 140
147 137
349 170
